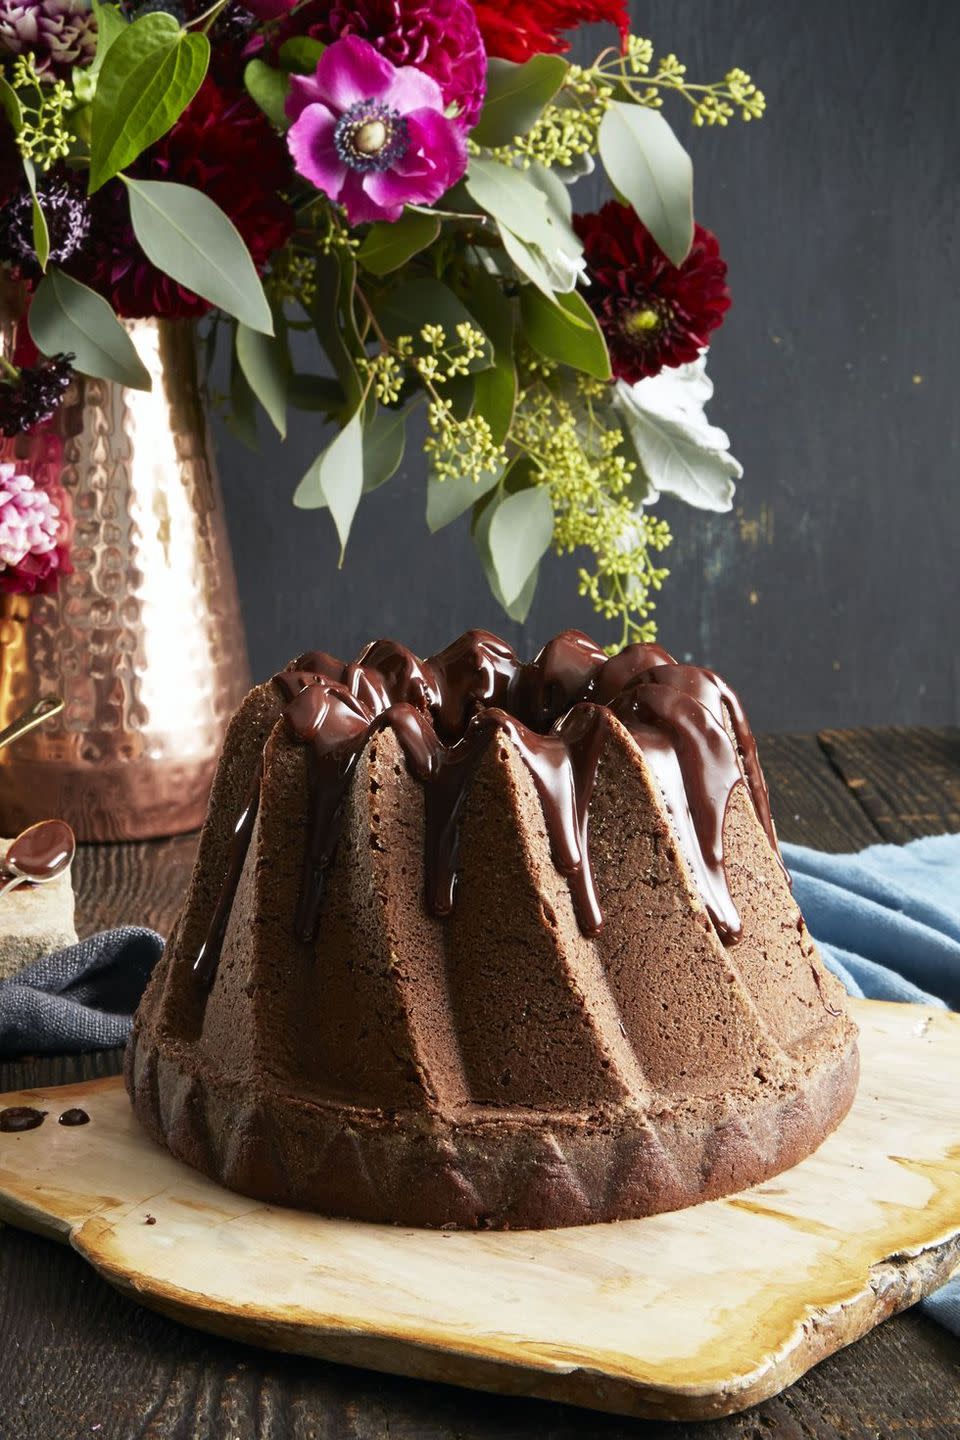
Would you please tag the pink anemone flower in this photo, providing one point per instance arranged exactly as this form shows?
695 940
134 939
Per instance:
372 136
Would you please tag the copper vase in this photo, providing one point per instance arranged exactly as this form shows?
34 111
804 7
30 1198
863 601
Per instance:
144 639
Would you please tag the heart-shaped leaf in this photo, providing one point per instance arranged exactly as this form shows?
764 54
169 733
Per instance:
189 238
151 72
647 164
268 87
68 317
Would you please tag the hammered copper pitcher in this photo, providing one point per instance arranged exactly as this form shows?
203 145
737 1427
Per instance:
144 639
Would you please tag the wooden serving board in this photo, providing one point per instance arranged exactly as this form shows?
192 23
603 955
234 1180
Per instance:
685 1316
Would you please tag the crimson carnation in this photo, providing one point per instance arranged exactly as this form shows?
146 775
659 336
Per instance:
439 37
530 27
221 145
652 312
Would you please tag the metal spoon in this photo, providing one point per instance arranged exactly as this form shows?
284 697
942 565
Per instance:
39 854
42 710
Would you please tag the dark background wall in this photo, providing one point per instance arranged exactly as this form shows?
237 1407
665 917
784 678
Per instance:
829 596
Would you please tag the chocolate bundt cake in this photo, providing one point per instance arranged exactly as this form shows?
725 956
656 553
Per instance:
471 942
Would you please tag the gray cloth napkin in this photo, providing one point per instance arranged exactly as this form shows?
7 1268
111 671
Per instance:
81 998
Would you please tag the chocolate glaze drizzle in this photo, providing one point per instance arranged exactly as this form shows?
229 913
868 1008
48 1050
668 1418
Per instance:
554 711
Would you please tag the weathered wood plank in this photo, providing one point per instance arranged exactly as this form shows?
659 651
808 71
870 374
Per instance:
811 804
906 780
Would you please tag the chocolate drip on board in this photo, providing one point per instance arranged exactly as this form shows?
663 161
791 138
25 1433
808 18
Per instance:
444 712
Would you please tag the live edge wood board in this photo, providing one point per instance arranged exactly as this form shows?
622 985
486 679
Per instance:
685 1316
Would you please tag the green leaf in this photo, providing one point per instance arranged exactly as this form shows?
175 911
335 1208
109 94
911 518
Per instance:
647 164
335 321
516 96
66 316
448 499
495 389
388 246
520 534
528 261
189 238
383 441
565 329
483 517
416 302
301 53
265 363
525 203
495 396
41 234
111 22
315 392
268 87
242 418
335 479
10 102
151 72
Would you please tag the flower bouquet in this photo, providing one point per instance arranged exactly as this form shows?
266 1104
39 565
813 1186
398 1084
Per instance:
396 178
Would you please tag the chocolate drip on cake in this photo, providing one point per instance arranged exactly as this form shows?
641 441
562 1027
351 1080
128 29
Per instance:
555 712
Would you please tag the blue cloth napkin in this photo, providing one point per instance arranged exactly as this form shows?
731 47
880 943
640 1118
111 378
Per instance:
887 921
81 998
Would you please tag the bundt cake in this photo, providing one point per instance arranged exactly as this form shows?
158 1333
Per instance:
472 942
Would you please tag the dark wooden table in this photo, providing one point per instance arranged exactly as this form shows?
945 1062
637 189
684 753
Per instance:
77 1360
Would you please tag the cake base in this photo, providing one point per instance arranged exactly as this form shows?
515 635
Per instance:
689 1315
502 1169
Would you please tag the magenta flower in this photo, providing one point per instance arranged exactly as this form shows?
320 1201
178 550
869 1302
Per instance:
370 135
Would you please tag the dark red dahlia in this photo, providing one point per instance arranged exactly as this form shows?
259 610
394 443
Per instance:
528 27
33 394
652 312
440 37
221 145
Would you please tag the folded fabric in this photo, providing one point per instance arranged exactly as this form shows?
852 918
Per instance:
887 921
81 998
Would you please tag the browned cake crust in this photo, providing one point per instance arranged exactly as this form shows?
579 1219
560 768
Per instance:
496 1066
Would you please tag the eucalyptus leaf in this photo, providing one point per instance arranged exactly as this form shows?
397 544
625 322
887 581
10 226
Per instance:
151 72
241 419
189 238
405 310
528 261
335 322
484 513
495 396
268 88
266 365
335 479
383 442
565 329
450 498
67 317
520 534
41 232
388 246
645 161
516 96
